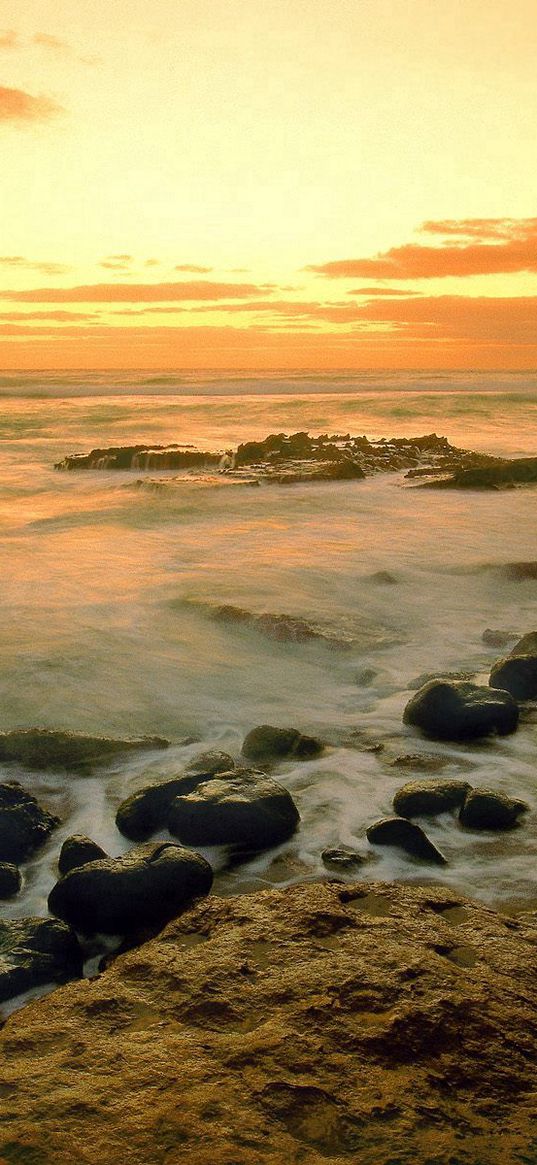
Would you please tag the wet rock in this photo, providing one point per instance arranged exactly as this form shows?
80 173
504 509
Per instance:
427 798
24 825
457 710
35 951
486 809
518 571
283 628
146 811
44 748
526 646
405 835
426 677
77 851
246 811
143 889
517 675
495 473
384 578
140 457
497 638
423 762
342 858
211 762
10 880
268 743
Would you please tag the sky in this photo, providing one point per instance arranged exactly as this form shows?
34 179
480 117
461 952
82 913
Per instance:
268 184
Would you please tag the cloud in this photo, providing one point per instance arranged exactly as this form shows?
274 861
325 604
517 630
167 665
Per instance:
193 268
44 268
9 39
139 292
379 291
117 262
59 317
23 108
60 47
514 248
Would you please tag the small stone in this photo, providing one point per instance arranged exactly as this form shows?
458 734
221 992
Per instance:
342 858
456 710
77 851
268 743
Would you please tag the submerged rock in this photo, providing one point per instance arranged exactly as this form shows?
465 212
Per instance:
268 743
143 889
44 748
342 858
494 473
140 457
497 638
486 809
517 673
35 951
10 880
24 825
405 835
77 851
457 710
428 798
247 811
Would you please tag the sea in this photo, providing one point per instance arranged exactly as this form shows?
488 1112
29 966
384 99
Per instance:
106 586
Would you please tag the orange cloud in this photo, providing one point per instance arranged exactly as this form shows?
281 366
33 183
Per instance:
193 268
59 317
20 107
61 47
8 39
379 291
514 249
138 292
19 261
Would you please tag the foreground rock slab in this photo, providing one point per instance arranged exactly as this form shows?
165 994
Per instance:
45 748
457 710
35 951
367 1024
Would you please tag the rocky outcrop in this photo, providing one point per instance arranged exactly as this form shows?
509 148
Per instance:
35 951
456 710
141 457
268 743
323 1023
517 673
486 809
24 825
246 811
406 835
493 473
77 851
45 748
143 889
284 628
428 798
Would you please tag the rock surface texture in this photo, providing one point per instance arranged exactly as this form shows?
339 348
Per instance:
319 1025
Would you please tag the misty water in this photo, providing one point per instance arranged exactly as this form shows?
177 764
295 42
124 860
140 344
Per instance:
102 629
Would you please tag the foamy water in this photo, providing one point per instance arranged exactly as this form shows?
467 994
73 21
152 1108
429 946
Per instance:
100 629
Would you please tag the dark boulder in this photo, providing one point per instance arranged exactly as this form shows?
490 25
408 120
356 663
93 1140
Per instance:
485 809
146 811
268 743
405 835
427 798
526 646
143 889
458 710
342 858
247 811
517 673
35 951
78 850
44 748
24 825
10 880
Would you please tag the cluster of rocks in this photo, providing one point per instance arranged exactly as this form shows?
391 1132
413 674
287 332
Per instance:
492 473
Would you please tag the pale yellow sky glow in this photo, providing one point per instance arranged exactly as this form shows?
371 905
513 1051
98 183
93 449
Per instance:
193 183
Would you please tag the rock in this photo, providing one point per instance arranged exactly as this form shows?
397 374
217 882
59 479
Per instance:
426 677
211 762
516 675
427 798
342 858
10 880
518 571
485 809
77 851
316 1023
406 835
34 951
140 457
423 762
24 825
526 646
44 748
384 578
457 710
146 811
143 889
247 811
494 638
497 473
268 743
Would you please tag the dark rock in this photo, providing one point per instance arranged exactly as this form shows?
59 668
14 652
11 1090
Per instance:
526 646
498 473
384 578
518 571
494 638
517 675
77 851
342 858
211 762
146 811
247 811
457 710
485 809
141 890
44 748
24 825
268 743
35 951
140 457
426 677
405 835
427 798
10 880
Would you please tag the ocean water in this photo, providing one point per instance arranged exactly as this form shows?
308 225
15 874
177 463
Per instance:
103 630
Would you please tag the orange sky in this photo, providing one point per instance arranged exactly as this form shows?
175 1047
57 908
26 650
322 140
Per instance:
268 184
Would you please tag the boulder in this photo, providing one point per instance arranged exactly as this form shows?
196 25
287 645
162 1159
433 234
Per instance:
24 825
78 850
146 811
35 951
247 811
405 835
45 748
427 798
342 858
143 889
268 743
517 673
210 762
10 880
486 809
458 710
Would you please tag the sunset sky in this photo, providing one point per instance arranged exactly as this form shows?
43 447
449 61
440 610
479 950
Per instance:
268 184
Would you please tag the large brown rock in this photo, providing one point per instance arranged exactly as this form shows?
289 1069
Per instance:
361 1024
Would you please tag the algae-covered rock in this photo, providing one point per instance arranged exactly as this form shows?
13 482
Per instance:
34 951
